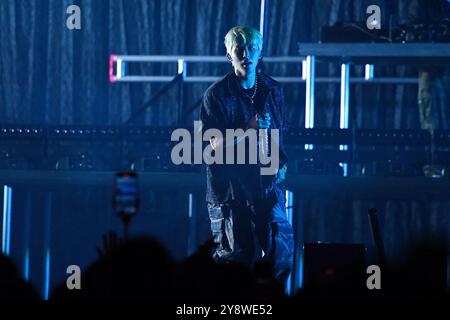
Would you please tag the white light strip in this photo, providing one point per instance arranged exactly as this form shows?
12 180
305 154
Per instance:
345 91
192 230
304 69
345 83
289 195
162 58
6 232
182 67
119 68
309 104
190 205
131 78
289 206
262 16
368 75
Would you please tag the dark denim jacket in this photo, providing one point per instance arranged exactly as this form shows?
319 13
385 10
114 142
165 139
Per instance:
225 106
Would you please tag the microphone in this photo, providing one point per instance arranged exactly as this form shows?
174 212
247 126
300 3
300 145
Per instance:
263 138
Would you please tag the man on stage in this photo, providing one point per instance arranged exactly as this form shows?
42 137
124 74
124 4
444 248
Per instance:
246 208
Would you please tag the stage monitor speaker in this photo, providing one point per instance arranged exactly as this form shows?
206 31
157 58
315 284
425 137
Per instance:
334 266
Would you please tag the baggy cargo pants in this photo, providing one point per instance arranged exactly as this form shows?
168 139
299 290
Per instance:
238 229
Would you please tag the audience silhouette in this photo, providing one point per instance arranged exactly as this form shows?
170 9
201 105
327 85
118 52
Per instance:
141 268
12 286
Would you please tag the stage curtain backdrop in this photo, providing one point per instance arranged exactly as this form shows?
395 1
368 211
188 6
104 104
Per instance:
53 75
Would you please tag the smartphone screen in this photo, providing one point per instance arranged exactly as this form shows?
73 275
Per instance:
126 193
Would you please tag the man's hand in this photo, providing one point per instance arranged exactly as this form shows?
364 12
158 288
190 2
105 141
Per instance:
264 121
281 174
257 122
260 122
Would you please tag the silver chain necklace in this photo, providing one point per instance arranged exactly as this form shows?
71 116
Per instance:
252 98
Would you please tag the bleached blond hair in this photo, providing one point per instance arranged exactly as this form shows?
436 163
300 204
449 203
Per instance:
245 34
